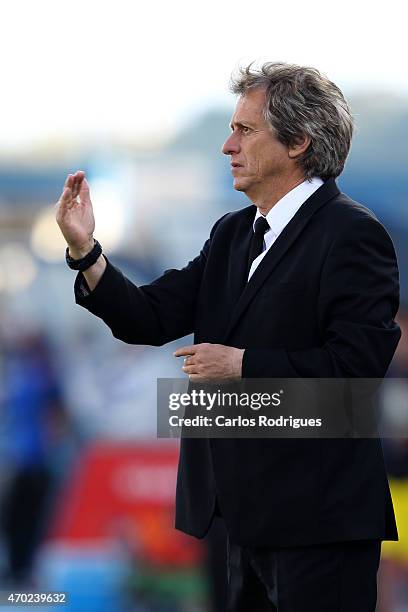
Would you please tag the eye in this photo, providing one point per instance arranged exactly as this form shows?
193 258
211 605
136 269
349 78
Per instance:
245 129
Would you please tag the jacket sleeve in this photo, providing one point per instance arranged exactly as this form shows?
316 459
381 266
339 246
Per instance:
151 314
358 300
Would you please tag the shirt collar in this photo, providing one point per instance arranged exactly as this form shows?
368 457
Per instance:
285 208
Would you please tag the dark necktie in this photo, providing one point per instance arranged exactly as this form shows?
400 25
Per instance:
256 246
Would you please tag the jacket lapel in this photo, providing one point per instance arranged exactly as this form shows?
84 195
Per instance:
291 232
238 258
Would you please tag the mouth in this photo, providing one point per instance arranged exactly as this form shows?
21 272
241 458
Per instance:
235 165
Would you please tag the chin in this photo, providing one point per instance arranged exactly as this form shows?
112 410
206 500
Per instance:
239 185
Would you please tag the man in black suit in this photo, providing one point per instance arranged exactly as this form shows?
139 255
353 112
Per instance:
302 283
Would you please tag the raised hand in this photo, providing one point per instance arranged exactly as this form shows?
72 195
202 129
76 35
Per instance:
74 215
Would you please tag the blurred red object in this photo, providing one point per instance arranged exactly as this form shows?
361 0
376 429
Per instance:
125 492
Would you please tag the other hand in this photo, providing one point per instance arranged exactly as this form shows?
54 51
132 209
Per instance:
211 361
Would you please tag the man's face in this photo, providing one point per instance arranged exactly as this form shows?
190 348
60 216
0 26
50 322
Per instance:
258 159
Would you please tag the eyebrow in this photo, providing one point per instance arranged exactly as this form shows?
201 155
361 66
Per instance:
240 124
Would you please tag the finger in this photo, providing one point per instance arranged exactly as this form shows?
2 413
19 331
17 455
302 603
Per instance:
197 378
84 191
77 185
78 177
67 193
69 181
190 370
189 360
186 350
65 198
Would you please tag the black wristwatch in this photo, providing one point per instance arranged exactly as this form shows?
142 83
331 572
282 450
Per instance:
87 261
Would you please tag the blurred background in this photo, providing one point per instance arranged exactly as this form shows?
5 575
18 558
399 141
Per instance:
137 96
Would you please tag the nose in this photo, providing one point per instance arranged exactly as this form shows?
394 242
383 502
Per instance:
231 145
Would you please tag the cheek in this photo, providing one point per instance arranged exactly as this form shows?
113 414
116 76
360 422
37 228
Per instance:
260 164
253 160
268 164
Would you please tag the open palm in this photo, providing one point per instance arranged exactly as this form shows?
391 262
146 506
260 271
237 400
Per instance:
74 213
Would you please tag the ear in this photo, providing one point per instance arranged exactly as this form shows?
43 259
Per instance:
299 146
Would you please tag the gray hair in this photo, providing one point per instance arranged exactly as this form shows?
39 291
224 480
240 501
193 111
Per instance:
300 101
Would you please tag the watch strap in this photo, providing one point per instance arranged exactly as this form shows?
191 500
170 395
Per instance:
85 262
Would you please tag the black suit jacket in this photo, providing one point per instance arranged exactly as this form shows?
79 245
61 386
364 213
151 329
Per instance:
320 304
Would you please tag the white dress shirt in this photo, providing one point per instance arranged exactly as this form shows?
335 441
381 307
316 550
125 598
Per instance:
283 211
